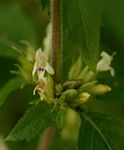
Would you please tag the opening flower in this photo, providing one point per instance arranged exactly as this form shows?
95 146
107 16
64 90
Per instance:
105 62
41 64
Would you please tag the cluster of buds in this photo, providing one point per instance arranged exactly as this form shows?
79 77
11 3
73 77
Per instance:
80 87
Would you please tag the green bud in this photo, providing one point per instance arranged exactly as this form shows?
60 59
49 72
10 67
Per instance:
75 69
99 89
90 75
58 89
71 84
69 95
86 75
86 86
81 99
83 73
71 126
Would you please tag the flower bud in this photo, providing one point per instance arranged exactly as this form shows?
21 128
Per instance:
86 86
90 75
82 98
75 69
71 125
99 89
83 73
58 89
86 75
69 95
71 84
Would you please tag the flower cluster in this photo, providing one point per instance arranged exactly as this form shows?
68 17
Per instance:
80 87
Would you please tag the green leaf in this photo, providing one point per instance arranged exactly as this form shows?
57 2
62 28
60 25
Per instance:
81 29
15 26
10 86
100 131
7 51
45 3
33 123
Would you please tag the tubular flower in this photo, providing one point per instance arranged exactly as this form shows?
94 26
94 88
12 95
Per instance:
105 62
41 64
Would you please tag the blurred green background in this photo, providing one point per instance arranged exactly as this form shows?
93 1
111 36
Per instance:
26 20
19 20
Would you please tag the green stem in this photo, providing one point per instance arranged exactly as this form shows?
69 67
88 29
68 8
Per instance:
55 20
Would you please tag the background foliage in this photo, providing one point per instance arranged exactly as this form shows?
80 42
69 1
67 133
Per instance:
27 20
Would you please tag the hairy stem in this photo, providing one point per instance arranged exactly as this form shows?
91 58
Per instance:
55 20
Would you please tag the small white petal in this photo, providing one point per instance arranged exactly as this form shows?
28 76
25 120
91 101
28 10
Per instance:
41 64
105 55
41 58
49 69
34 69
102 65
41 74
105 62
34 91
38 53
112 72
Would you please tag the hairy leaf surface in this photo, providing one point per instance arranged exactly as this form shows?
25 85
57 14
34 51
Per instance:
33 123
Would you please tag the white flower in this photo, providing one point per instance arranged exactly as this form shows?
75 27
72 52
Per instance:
41 64
105 62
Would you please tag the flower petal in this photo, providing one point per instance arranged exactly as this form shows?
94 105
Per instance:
38 53
41 74
112 71
49 69
41 58
105 55
34 69
105 62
